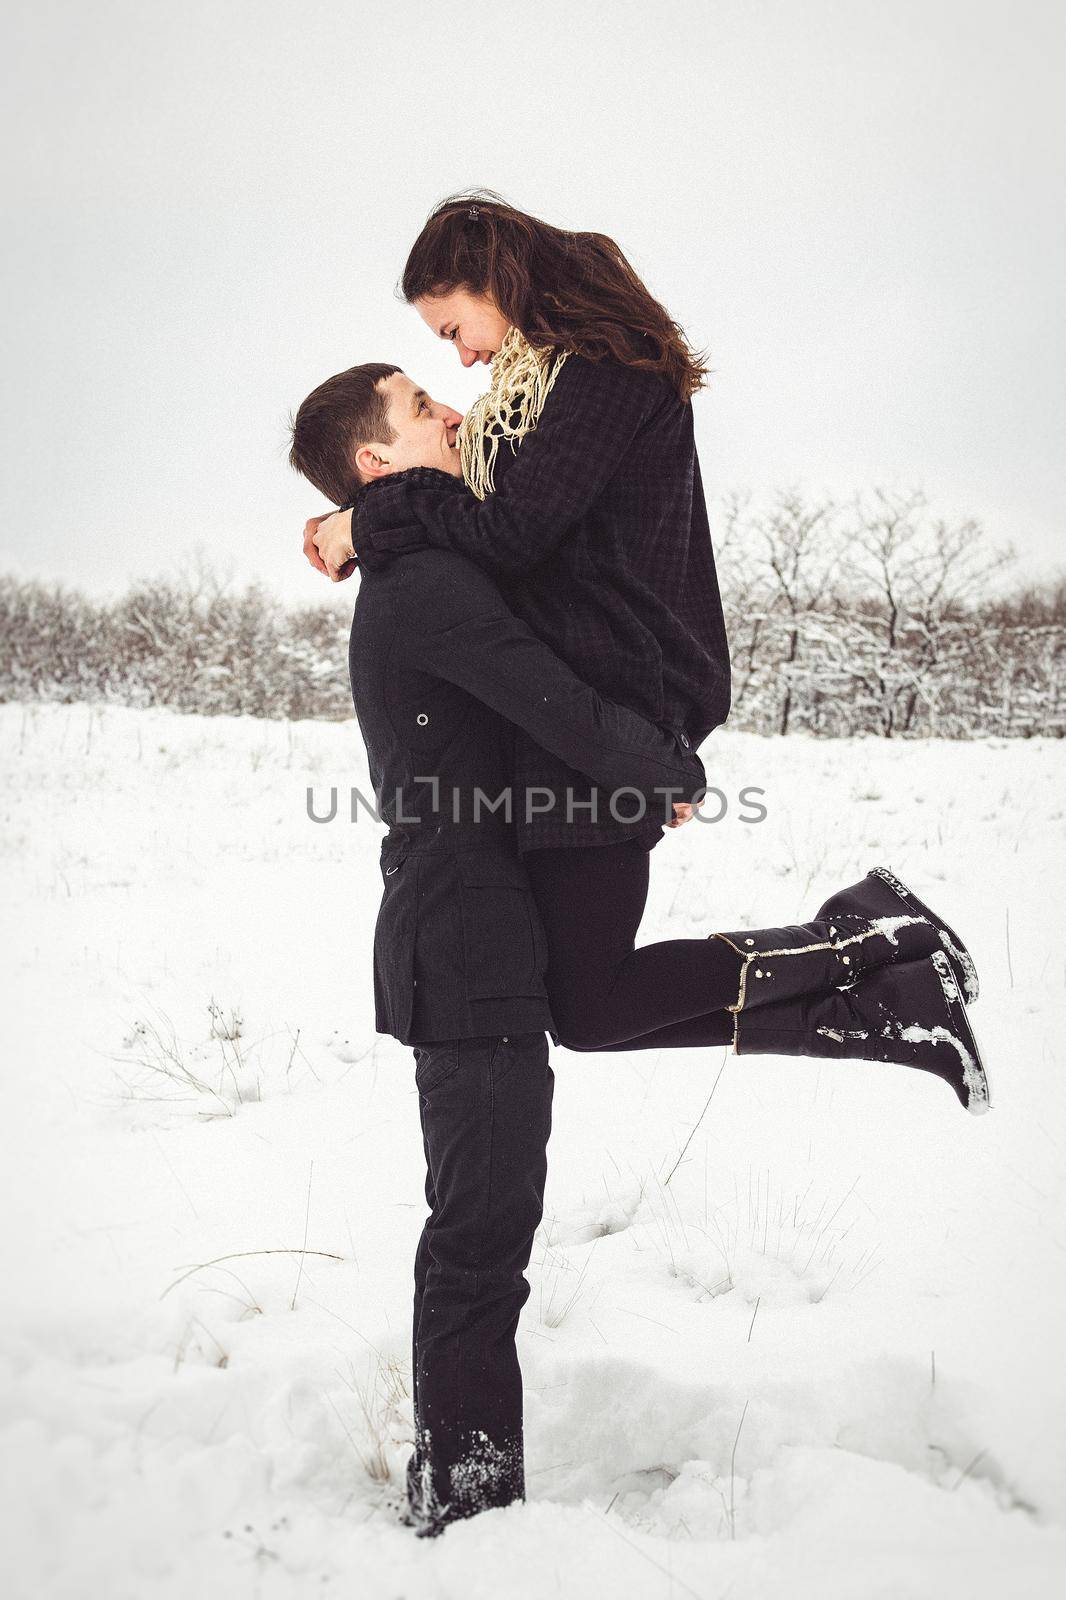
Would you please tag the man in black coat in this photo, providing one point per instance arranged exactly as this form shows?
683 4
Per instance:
442 675
597 534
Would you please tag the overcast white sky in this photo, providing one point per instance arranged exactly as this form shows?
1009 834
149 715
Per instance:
857 207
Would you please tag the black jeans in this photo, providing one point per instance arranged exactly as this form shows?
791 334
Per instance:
485 1107
605 993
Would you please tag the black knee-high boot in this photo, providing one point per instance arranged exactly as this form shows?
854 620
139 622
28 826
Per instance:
911 1013
810 957
882 894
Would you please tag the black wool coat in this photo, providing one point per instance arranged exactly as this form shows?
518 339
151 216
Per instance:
442 675
597 534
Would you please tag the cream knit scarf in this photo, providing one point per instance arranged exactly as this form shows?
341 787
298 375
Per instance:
522 379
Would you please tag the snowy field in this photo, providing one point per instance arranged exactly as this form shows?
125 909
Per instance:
812 1348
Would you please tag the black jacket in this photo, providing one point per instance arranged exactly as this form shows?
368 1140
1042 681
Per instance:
441 674
598 536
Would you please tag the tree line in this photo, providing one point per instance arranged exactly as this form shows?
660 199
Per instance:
873 616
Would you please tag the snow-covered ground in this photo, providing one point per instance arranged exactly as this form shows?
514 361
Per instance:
813 1348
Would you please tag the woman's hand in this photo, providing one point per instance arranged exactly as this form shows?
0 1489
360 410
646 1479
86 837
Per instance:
328 544
683 812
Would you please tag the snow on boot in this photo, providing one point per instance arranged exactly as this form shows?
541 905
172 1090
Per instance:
911 1013
881 894
808 957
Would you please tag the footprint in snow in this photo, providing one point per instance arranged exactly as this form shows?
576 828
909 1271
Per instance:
583 1224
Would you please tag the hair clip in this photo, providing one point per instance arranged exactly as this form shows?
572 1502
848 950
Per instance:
474 214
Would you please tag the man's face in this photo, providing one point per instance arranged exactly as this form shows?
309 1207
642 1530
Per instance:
425 433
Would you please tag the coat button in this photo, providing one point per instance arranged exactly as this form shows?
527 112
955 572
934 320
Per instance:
421 719
684 740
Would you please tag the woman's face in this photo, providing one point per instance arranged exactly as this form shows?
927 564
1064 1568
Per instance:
473 322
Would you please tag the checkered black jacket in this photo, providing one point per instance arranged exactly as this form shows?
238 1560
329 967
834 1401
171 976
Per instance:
597 534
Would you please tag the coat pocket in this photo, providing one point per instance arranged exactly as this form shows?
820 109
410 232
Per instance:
505 948
394 937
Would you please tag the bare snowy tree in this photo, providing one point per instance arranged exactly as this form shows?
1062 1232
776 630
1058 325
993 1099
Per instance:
913 578
798 550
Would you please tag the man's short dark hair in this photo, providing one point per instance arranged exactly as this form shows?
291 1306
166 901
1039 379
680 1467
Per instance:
336 420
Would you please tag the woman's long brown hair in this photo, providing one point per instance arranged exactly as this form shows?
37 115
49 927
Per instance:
570 291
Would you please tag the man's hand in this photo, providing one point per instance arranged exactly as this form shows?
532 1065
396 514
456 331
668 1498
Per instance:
328 545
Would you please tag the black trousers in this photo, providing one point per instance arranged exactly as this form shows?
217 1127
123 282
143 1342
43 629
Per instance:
485 1107
605 993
